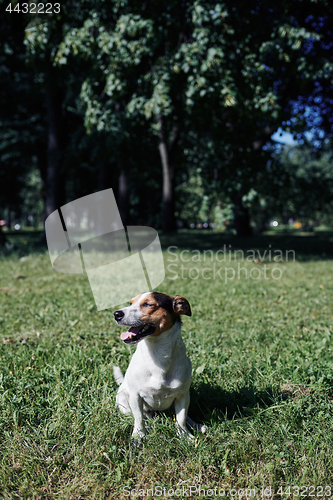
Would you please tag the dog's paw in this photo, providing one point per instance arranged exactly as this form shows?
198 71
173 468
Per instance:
198 428
136 442
150 414
193 426
137 439
182 434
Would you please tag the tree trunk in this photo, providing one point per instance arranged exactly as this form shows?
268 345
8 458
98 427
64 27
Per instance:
262 222
123 193
9 218
3 238
102 169
54 189
42 164
169 221
241 217
49 160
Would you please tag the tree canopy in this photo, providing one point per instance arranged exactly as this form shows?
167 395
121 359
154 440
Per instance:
148 96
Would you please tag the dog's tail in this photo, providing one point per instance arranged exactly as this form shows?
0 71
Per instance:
118 375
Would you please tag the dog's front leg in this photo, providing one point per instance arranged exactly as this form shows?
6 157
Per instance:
136 404
182 403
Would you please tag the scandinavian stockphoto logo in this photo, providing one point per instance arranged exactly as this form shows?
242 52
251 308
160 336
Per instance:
119 264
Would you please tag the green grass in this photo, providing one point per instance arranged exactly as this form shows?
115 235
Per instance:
261 352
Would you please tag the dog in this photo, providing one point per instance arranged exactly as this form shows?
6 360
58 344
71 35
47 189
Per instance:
159 373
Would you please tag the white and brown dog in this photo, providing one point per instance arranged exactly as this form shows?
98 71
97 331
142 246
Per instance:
159 373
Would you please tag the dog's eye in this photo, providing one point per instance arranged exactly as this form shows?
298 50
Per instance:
145 304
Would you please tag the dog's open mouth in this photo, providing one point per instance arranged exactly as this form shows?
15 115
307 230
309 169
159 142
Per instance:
137 333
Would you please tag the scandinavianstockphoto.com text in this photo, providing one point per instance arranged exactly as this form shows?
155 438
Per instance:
227 264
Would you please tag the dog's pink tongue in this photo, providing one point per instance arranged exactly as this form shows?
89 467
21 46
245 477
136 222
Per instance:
133 331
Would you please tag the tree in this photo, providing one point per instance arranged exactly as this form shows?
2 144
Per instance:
20 119
249 64
298 183
186 83
229 73
41 38
131 49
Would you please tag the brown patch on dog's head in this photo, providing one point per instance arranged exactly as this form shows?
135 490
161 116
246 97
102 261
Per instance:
135 299
162 311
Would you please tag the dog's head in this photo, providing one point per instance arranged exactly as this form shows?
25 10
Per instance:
150 313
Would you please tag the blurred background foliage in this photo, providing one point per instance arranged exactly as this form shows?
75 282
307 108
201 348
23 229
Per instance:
173 104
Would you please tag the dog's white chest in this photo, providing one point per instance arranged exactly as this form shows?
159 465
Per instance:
160 397
163 387
159 390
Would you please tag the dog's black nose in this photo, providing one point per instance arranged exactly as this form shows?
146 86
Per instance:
118 315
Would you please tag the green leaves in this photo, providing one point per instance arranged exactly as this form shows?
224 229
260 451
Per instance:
37 37
226 75
194 58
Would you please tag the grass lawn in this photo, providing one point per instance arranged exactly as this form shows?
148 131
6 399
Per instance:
261 350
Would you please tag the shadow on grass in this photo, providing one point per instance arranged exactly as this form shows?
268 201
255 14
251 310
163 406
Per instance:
306 246
23 242
211 403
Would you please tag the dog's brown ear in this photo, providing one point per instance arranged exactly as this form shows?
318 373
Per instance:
181 306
